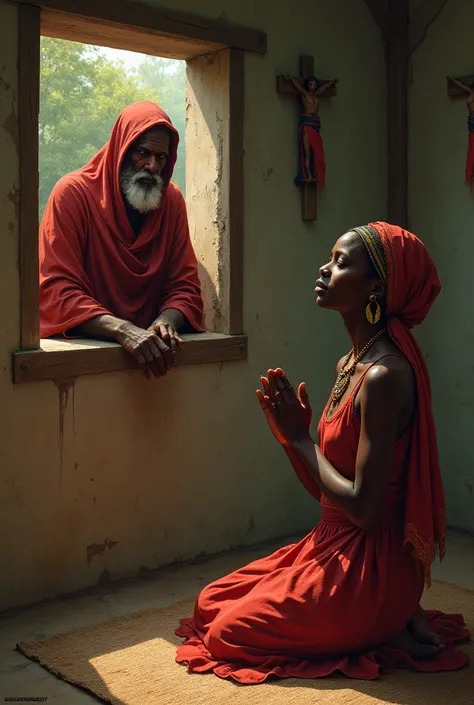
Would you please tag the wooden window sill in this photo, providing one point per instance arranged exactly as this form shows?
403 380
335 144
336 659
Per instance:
59 358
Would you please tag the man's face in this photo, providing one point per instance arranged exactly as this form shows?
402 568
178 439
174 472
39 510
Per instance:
312 86
140 180
150 152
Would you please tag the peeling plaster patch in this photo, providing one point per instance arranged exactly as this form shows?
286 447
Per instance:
220 223
219 150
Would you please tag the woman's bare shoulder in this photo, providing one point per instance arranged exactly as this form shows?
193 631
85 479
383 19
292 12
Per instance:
390 379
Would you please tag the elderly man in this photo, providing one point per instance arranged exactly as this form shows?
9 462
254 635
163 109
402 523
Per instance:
116 260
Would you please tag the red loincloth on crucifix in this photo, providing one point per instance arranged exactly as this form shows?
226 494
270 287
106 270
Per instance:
310 127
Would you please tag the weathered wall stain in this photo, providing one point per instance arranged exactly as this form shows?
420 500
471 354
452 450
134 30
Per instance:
4 84
267 173
74 409
97 549
64 387
104 578
10 123
252 526
14 198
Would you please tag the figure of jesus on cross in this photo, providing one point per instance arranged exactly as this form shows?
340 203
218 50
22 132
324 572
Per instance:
312 160
312 164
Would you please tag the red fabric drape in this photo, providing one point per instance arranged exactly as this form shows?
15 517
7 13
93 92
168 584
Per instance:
91 262
318 158
413 285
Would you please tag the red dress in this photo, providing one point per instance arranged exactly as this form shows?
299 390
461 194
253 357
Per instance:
327 603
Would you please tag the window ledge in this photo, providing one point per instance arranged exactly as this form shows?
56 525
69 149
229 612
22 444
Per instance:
58 358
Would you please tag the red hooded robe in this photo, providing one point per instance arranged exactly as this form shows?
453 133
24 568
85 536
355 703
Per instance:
91 262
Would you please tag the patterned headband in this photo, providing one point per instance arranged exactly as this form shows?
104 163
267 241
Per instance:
373 244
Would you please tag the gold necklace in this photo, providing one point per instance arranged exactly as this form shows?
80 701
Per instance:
344 376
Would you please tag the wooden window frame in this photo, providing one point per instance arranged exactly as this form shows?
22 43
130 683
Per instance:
125 25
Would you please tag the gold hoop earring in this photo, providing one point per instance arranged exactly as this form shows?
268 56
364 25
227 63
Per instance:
372 311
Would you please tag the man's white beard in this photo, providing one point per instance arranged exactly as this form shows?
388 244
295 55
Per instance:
144 197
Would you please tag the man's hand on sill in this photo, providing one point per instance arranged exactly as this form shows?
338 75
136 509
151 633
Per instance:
151 353
154 349
167 325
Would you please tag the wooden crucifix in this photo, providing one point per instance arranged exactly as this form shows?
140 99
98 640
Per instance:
464 86
312 165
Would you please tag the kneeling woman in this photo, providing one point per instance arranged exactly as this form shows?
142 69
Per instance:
347 597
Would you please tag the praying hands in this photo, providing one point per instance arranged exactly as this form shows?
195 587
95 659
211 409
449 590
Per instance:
288 413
